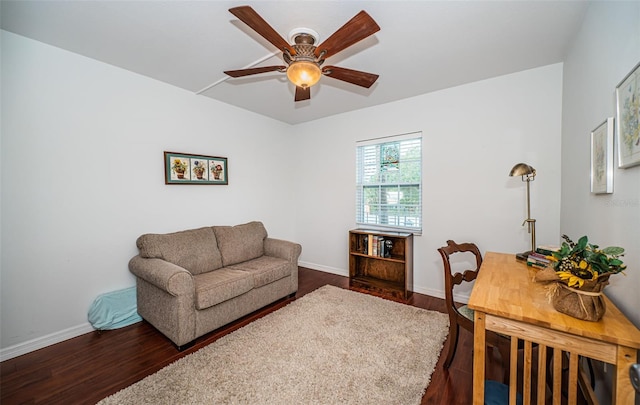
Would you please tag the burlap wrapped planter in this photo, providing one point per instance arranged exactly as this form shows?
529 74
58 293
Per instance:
586 303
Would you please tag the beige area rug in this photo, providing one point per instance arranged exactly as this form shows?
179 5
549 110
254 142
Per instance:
332 346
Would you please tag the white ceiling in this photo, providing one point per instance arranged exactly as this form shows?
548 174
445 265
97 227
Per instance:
423 46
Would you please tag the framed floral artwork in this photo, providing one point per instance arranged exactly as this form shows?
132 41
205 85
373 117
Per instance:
602 158
628 119
185 168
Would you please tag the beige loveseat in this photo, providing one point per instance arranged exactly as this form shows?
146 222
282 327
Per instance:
192 282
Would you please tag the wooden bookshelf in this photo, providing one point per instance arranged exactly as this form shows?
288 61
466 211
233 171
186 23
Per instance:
380 266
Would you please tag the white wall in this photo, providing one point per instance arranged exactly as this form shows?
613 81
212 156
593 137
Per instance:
81 172
606 49
472 137
82 178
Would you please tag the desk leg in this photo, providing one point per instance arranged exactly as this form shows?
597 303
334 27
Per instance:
622 390
478 358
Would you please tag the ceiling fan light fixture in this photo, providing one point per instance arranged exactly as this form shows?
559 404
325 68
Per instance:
303 57
304 73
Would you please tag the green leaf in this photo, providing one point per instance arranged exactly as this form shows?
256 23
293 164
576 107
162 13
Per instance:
613 251
582 243
600 267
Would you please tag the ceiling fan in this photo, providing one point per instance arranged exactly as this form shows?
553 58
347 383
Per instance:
304 58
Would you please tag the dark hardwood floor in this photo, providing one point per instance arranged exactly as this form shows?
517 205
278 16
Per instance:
85 369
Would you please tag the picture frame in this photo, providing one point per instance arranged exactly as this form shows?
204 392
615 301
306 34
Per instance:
187 168
628 119
602 158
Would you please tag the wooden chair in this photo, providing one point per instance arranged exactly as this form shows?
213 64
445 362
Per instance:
463 316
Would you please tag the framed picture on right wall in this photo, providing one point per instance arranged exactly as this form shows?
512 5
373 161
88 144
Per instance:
602 158
628 119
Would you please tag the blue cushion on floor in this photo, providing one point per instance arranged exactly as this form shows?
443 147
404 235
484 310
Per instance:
496 393
114 310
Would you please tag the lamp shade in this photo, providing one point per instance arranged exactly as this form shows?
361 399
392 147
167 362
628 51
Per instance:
522 169
304 74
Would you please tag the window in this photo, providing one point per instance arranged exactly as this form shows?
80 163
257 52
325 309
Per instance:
389 183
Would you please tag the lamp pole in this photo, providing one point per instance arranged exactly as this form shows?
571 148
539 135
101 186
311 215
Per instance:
527 174
530 221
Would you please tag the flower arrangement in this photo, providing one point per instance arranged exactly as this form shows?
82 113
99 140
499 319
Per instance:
199 167
179 166
577 263
216 170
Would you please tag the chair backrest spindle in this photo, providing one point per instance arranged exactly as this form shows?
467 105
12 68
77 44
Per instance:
458 278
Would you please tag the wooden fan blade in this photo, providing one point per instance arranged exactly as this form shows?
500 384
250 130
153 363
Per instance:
356 77
248 16
356 29
253 71
303 93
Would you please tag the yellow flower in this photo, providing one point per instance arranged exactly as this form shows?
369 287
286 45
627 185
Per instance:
583 264
570 278
585 272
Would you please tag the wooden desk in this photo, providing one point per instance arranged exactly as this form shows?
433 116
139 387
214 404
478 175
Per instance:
507 300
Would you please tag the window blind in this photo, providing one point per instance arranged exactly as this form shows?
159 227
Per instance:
389 182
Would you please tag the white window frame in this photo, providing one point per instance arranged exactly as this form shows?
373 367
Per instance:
375 173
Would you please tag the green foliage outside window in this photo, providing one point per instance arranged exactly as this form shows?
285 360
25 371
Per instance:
391 183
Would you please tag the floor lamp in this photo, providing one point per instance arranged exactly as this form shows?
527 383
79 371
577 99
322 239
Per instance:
528 174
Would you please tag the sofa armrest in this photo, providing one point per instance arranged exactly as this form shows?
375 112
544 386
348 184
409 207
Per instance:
173 279
283 249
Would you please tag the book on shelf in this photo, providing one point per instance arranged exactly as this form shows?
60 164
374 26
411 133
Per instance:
373 245
380 246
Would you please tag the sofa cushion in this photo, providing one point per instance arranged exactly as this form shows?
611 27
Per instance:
241 242
265 269
220 285
195 250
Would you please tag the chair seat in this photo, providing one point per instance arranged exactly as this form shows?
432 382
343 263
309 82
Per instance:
469 314
466 312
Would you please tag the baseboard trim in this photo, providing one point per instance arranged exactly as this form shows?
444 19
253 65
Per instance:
326 269
432 292
70 333
44 341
